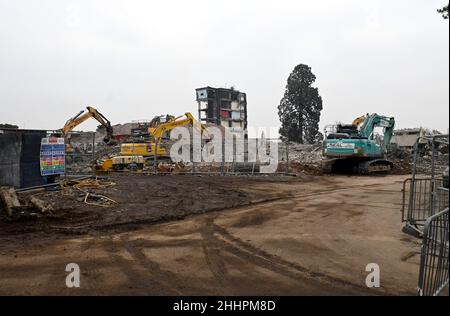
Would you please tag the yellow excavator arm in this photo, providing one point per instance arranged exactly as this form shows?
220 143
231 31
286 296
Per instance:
91 113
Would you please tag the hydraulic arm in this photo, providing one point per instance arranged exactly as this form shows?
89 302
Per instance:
85 115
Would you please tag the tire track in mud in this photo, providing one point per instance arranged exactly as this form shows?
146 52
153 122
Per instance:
145 243
164 278
136 279
154 282
217 258
90 270
127 267
250 254
213 257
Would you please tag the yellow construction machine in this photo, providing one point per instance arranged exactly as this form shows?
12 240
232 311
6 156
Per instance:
157 134
132 154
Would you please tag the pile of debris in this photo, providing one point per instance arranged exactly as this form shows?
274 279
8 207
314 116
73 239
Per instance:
87 191
424 162
15 207
403 158
42 202
305 153
303 158
80 166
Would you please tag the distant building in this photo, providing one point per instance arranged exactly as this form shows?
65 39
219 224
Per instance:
223 107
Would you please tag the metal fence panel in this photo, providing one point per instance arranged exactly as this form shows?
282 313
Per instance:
244 157
422 198
434 264
80 153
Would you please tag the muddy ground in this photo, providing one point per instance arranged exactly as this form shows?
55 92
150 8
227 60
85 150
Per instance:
213 235
141 199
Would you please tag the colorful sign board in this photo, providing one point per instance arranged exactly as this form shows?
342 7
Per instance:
52 156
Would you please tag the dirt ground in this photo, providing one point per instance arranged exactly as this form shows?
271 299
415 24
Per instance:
213 235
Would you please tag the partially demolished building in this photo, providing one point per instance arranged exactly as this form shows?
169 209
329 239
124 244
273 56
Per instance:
223 107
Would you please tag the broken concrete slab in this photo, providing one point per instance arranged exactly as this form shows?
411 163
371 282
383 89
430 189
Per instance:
41 205
9 199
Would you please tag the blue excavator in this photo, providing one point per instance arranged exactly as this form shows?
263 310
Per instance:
357 147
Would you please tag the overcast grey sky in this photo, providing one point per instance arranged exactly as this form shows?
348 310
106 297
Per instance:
136 59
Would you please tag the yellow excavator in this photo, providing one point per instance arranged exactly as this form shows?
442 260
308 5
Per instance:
134 156
158 133
85 115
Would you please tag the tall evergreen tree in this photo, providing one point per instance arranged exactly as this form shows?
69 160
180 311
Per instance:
6 125
300 107
444 12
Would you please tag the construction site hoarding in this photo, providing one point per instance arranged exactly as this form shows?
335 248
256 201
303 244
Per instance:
20 158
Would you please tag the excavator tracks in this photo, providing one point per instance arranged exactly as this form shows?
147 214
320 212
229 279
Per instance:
356 166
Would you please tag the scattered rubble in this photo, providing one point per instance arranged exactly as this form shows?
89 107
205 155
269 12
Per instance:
403 158
41 205
90 189
305 153
22 206
303 158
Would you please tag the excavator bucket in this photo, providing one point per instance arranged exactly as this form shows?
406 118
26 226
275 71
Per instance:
109 141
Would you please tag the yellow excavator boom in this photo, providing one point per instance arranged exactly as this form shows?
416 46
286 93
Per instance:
91 113
176 122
